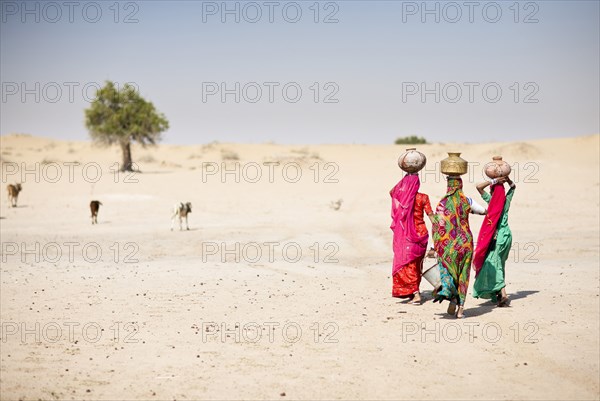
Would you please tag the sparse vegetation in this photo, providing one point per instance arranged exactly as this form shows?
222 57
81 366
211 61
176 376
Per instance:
302 151
229 155
147 159
209 146
411 140
165 163
307 154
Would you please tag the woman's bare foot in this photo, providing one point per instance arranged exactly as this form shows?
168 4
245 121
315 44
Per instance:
451 308
416 299
461 312
504 302
503 299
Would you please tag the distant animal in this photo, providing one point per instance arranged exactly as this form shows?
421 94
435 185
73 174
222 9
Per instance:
13 193
181 210
94 207
336 205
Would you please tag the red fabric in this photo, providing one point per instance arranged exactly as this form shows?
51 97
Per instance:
408 244
422 207
407 280
488 227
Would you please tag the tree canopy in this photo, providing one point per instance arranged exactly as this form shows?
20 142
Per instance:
122 116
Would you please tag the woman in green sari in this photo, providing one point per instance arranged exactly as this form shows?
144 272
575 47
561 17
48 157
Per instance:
494 243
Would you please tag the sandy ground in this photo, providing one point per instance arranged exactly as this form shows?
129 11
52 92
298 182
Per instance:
273 294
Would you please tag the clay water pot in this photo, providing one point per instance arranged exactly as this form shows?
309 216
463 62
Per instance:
454 165
412 160
497 168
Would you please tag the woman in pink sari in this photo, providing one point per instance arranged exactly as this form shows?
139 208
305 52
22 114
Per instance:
410 237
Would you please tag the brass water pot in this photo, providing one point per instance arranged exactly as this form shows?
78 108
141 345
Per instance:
454 164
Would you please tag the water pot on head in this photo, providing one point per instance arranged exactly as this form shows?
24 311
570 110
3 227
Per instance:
497 168
454 165
412 160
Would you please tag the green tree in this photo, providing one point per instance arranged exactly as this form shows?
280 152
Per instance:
411 140
122 116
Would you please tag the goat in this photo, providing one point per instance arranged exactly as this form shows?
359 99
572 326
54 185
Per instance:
94 207
13 193
181 210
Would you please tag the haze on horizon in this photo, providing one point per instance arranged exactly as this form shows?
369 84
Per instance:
309 72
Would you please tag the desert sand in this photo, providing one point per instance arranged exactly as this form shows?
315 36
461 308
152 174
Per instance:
182 315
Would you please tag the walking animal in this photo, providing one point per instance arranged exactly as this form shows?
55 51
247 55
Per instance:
181 210
13 193
94 207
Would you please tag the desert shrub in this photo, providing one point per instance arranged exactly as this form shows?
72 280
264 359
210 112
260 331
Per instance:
411 140
147 159
229 155
306 153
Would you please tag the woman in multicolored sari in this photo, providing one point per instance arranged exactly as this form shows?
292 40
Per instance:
410 237
493 243
453 243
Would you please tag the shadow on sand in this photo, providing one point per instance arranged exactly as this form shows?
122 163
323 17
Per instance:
426 296
489 306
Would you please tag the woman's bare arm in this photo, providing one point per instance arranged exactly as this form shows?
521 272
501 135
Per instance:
481 186
510 182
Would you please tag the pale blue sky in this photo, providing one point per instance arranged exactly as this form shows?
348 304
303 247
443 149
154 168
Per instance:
371 56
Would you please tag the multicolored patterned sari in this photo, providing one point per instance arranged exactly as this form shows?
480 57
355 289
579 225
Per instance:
453 243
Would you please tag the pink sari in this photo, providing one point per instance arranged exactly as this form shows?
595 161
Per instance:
408 245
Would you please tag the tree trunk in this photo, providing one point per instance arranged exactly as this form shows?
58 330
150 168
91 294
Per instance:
127 163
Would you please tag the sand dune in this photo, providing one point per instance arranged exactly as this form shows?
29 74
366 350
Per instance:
167 303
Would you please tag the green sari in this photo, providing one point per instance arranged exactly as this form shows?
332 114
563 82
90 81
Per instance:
491 277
